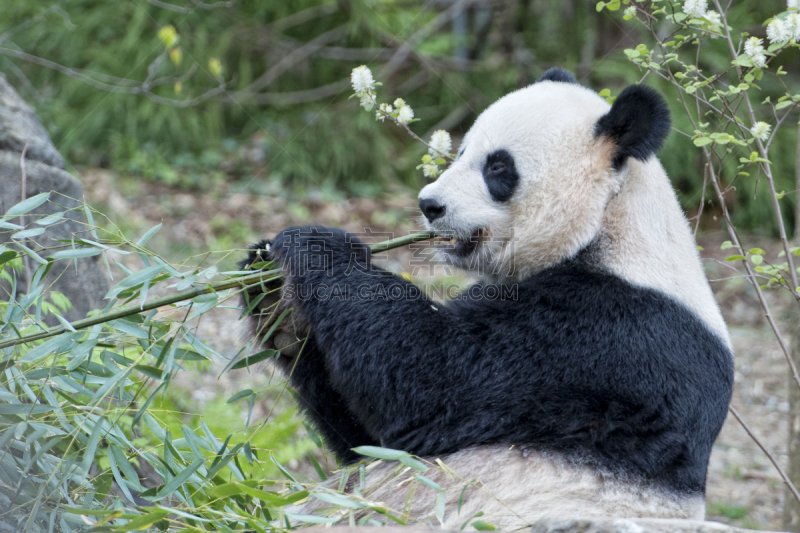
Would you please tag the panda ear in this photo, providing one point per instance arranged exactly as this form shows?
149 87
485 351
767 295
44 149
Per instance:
637 124
559 75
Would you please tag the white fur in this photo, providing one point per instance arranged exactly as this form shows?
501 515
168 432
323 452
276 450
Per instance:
568 196
513 488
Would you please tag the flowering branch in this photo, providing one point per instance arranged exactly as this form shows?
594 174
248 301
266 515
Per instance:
400 113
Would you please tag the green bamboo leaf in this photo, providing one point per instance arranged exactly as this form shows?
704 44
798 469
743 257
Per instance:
91 446
381 453
53 346
24 409
143 409
175 483
112 462
7 256
28 233
144 521
428 482
88 512
27 205
240 394
440 502
410 462
311 519
76 253
126 468
50 219
150 371
146 237
480 525
109 384
137 278
64 322
340 500
30 253
9 225
253 359
131 329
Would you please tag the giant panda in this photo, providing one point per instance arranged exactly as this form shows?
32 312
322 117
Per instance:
595 388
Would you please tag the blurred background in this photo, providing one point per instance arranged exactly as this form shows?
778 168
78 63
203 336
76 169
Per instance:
229 120
282 122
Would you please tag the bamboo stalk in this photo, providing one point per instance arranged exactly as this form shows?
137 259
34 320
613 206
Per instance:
242 281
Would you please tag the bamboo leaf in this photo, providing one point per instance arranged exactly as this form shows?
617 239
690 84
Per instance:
27 205
28 233
76 253
135 279
253 359
381 453
144 521
146 237
50 219
241 394
175 483
340 500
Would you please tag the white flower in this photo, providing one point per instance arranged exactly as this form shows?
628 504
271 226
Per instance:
760 60
695 8
753 47
779 31
383 111
630 12
792 23
760 130
441 143
362 80
793 4
366 100
713 18
398 103
404 113
430 170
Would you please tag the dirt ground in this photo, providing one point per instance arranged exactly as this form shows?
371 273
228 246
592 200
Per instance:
743 486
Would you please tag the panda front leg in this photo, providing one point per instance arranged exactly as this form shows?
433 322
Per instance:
301 362
402 365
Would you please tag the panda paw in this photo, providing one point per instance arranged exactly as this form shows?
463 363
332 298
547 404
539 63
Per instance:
257 253
318 251
267 302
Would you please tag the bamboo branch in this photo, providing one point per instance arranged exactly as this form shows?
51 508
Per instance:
241 281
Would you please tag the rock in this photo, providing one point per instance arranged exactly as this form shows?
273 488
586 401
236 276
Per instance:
85 285
631 525
576 525
19 124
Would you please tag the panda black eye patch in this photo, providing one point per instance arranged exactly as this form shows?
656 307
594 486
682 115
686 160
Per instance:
500 175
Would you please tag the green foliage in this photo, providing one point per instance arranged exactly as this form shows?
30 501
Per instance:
324 141
84 412
95 433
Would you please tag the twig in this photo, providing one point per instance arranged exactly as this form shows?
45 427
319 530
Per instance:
24 196
771 457
776 206
241 281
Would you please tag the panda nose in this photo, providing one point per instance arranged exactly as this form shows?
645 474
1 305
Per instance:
431 209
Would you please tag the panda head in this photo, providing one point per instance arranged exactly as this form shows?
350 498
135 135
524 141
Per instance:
534 174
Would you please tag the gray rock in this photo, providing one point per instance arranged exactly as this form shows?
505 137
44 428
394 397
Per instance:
19 124
575 525
85 285
631 525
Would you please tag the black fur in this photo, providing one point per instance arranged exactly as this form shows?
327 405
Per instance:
578 362
560 75
638 123
500 175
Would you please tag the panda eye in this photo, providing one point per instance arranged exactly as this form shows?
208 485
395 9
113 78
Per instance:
497 167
